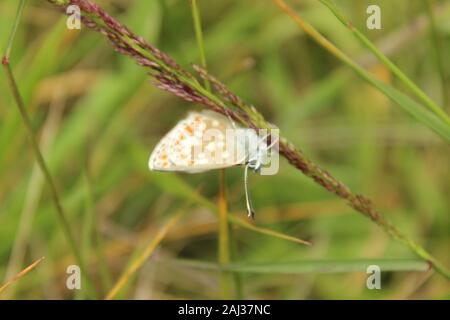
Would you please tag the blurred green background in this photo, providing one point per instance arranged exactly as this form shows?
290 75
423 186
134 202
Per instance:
98 118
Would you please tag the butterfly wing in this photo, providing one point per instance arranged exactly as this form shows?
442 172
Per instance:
201 142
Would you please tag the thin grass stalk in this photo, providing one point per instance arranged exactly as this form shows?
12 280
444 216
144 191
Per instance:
199 37
35 146
88 226
64 223
224 255
20 275
143 257
359 202
199 199
407 82
438 49
310 266
33 194
91 238
12 35
238 281
105 274
169 76
434 122
94 234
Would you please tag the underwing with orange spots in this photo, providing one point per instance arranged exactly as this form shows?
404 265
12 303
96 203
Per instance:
203 141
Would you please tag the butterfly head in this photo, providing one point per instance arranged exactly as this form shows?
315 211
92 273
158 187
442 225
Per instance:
257 150
255 164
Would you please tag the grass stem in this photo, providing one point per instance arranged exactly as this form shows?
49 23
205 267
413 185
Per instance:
20 275
143 257
13 31
436 119
407 82
358 202
94 233
224 255
33 193
199 37
438 49
312 266
35 146
43 166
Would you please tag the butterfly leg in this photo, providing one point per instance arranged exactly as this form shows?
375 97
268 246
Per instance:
250 210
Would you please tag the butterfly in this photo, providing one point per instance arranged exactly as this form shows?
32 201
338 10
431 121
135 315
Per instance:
207 140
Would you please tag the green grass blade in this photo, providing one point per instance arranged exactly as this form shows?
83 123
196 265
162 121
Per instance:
438 48
422 96
311 266
439 123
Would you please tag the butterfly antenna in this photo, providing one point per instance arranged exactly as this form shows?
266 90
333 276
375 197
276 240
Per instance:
272 142
250 210
275 141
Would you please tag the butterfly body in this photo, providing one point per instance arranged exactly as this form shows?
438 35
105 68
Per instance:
205 141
